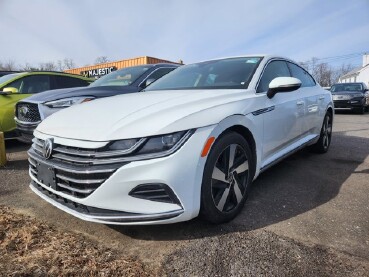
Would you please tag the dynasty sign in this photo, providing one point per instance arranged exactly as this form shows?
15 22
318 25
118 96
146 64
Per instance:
98 72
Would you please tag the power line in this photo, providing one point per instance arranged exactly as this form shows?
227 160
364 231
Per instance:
336 58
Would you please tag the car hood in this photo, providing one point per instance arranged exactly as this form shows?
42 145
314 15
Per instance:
146 114
98 92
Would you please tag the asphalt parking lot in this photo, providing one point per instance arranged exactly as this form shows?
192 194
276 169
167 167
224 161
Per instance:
306 216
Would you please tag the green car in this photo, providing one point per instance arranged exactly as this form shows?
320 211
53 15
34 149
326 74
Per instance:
16 86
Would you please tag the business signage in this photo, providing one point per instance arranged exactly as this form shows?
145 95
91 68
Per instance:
98 72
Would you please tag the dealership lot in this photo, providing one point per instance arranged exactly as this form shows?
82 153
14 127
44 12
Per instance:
308 215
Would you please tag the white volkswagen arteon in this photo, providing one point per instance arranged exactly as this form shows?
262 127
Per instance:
191 144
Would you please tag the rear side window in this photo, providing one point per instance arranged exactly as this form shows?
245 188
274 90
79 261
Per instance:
302 75
69 82
273 70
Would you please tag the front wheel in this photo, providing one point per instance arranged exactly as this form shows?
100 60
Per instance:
324 141
227 177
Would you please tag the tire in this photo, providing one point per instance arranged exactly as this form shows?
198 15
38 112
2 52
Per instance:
226 180
325 138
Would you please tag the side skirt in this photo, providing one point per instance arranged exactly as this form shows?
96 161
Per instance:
269 165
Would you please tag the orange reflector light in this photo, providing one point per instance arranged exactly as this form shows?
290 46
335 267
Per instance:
207 146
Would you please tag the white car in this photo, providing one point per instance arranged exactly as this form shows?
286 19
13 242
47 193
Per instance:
191 144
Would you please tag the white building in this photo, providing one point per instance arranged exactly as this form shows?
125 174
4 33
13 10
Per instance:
360 74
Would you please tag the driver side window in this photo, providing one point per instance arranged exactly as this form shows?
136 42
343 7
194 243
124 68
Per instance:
273 70
31 84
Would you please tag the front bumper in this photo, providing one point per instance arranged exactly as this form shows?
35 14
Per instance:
25 130
181 172
349 104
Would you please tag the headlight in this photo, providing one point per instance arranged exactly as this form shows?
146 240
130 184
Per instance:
67 102
151 147
357 95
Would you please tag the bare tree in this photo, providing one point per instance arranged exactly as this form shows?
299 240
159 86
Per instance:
325 74
101 59
48 66
68 63
8 65
28 67
342 70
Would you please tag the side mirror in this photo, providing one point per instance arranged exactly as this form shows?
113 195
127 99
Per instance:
149 82
283 84
10 90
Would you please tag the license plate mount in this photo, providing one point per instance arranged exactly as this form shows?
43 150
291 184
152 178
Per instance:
46 175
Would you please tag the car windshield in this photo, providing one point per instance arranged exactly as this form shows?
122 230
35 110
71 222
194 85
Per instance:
347 87
8 77
232 73
122 77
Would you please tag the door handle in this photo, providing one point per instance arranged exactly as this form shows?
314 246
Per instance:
300 103
321 97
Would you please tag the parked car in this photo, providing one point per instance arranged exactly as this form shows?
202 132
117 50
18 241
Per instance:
17 86
351 96
31 111
191 144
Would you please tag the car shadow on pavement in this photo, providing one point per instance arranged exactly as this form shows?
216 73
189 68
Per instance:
297 185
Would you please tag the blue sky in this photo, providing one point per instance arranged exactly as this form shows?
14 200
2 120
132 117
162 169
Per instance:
192 30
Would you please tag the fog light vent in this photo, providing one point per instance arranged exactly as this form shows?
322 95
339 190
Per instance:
155 192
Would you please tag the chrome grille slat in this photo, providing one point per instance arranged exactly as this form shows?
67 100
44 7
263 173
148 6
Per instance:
33 171
89 161
31 162
37 142
37 147
74 169
96 154
69 179
84 191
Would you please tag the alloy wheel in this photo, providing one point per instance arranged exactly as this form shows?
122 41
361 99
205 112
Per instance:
230 178
327 131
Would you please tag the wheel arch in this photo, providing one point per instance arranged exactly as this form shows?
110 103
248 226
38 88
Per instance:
248 129
246 133
331 111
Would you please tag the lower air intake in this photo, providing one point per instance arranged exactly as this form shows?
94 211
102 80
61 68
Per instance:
155 192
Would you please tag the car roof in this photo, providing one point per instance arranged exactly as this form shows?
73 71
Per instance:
36 72
264 56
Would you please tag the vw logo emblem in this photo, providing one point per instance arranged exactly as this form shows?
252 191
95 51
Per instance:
24 111
48 148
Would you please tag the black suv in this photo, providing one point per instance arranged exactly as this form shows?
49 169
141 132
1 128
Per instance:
31 111
351 96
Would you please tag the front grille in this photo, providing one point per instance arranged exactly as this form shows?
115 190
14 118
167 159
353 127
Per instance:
78 179
28 112
342 97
